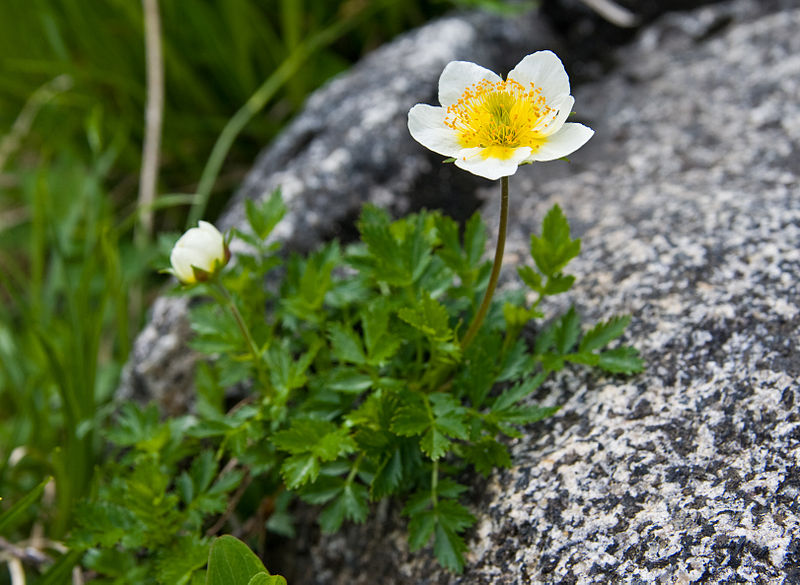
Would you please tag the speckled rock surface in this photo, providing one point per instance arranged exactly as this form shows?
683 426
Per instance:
350 145
688 202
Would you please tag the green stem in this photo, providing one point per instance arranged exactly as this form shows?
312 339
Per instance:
498 261
434 482
262 374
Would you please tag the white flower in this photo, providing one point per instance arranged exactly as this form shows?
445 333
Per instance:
199 254
491 126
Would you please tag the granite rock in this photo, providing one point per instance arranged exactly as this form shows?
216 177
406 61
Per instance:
688 203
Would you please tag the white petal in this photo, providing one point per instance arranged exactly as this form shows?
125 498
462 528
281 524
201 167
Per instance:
426 125
181 260
563 108
214 236
458 76
545 71
491 168
566 141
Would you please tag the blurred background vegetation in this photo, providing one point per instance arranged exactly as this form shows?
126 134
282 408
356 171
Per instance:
75 279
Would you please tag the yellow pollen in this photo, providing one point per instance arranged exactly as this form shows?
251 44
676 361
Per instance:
500 116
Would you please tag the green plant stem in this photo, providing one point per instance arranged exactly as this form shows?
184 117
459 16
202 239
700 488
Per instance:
435 483
262 374
477 321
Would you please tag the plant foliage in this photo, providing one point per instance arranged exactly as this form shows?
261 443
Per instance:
359 389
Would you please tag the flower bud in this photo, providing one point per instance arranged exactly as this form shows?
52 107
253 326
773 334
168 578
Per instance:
199 254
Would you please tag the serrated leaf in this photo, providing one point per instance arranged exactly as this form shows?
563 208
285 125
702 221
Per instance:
519 391
567 332
449 548
232 562
554 249
449 415
474 239
531 278
434 443
388 475
522 415
420 529
621 360
453 515
354 497
346 344
184 556
264 216
298 470
303 435
429 317
559 283
604 332
486 455
411 419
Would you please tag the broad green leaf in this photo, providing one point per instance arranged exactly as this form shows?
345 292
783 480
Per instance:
348 380
602 333
265 579
231 562
474 239
303 435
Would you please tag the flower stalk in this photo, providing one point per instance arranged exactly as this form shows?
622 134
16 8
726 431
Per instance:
477 321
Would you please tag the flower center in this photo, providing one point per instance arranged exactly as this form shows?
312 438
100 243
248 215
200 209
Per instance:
500 116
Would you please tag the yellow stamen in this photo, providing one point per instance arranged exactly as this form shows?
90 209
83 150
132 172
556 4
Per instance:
499 117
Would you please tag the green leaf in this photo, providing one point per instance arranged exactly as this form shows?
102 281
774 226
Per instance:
621 360
449 548
486 455
429 317
567 332
298 470
21 506
420 529
231 562
554 249
348 380
264 216
530 277
604 332
518 392
411 419
558 283
388 475
346 344
449 415
265 579
434 443
177 562
474 239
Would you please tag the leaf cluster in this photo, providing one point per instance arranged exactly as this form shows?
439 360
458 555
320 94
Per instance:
359 387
